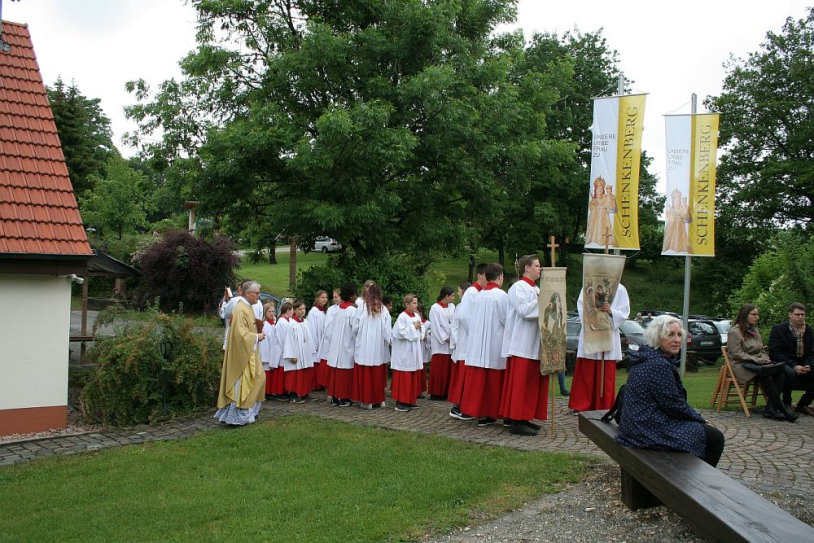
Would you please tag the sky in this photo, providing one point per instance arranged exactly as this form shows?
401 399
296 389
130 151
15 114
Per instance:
667 50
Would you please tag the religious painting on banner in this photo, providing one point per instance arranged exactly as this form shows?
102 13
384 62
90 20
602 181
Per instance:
600 280
613 202
552 313
689 212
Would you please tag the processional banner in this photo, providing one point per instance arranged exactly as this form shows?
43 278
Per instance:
600 281
616 151
551 316
692 146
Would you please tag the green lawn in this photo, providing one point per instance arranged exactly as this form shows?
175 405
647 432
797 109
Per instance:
292 479
274 278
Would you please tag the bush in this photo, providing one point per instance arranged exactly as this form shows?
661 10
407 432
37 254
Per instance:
152 370
183 271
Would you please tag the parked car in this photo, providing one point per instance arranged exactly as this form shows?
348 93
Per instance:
572 328
631 335
647 314
326 245
706 340
723 326
265 297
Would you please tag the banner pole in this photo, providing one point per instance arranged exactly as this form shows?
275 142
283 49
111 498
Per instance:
687 271
552 244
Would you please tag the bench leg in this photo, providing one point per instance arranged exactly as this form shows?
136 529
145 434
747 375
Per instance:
636 496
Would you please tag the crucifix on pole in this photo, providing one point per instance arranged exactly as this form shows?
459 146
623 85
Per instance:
552 245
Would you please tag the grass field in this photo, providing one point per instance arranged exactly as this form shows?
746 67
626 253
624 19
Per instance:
292 479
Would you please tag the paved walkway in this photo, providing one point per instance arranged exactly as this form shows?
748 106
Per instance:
765 455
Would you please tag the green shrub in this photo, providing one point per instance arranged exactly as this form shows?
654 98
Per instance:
152 370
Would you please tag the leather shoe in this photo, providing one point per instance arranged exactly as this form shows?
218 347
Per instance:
790 416
520 429
805 409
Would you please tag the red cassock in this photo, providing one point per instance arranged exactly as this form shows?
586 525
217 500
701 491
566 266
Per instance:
585 385
481 392
369 383
321 374
276 384
525 391
440 369
456 382
406 386
300 382
340 383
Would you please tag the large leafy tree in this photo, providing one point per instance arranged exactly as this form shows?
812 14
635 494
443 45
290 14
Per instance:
766 174
120 201
391 126
84 132
590 69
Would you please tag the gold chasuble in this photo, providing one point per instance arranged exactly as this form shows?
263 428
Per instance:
241 363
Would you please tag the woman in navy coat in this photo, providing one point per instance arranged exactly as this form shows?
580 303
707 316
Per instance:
655 414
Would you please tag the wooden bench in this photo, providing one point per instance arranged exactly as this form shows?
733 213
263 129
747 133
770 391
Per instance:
718 507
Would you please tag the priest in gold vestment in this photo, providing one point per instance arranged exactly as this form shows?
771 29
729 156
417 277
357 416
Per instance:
242 380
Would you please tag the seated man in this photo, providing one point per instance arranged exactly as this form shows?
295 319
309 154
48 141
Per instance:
792 343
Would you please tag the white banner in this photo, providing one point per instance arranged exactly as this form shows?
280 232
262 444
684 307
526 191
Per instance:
689 210
613 201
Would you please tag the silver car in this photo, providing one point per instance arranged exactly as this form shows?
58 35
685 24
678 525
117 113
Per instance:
326 245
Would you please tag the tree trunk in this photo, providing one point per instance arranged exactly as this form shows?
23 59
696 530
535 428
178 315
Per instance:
272 252
471 274
292 264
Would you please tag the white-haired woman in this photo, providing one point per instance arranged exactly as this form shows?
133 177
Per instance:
655 414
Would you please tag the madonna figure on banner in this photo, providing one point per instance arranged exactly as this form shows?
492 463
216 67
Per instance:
601 312
677 217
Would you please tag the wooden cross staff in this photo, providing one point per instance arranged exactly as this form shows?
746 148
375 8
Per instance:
552 244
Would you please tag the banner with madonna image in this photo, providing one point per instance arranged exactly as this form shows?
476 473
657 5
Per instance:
616 152
552 317
600 280
689 212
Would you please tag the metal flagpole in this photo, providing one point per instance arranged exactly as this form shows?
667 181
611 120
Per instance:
686 308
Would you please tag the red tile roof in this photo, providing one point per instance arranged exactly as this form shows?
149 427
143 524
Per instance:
38 211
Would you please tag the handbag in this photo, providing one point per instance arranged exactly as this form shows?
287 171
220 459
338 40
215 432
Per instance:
615 412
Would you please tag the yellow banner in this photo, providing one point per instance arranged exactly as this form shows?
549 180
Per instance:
629 155
702 184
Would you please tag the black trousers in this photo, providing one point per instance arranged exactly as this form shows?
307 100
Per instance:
795 381
773 381
714 446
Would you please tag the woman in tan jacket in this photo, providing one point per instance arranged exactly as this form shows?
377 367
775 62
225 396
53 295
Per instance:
751 361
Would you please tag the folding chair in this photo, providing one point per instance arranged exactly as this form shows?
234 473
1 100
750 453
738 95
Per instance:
724 394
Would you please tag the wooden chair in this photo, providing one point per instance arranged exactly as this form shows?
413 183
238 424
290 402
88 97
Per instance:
724 393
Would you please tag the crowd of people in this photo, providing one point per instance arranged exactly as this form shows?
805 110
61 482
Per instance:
484 358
